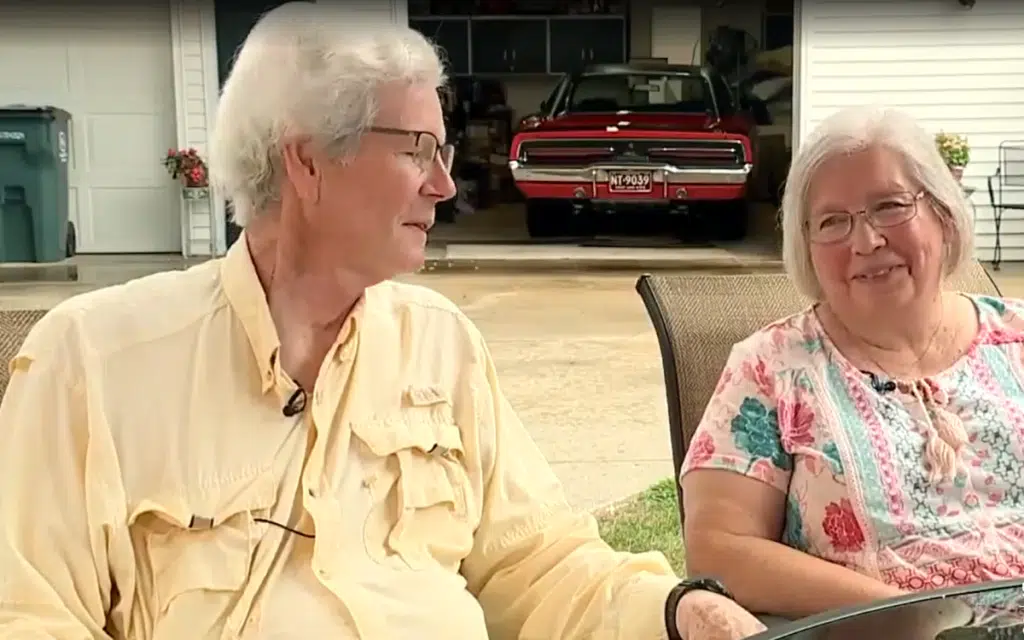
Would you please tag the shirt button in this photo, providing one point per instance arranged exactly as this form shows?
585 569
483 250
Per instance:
324 574
313 493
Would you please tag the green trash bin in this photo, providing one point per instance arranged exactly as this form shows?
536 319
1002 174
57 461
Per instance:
34 151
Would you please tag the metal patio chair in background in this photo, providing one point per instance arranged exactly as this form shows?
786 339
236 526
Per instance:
1006 189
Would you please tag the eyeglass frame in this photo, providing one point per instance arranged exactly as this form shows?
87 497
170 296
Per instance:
417 136
865 213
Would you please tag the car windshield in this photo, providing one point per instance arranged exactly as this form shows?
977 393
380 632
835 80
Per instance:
640 92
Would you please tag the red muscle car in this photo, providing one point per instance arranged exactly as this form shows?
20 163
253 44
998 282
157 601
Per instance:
643 135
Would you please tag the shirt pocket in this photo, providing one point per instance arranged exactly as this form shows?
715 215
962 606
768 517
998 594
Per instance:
198 564
418 485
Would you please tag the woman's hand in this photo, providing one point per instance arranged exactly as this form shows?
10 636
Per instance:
703 615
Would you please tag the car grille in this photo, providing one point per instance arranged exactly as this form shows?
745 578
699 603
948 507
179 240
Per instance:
681 153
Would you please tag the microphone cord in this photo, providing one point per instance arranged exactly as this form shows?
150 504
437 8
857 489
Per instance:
310 536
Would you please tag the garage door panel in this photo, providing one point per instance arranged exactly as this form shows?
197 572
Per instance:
28 69
127 149
132 220
112 70
121 77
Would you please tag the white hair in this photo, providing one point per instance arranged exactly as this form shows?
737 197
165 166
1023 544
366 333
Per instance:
306 70
858 128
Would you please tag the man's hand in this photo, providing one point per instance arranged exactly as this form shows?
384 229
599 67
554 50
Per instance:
703 615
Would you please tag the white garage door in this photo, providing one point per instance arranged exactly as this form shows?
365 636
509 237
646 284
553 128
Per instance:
110 67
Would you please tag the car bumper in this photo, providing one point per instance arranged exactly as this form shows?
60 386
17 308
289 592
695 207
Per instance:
664 174
667 182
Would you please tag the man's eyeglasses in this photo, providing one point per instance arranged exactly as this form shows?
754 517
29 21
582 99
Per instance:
887 211
426 147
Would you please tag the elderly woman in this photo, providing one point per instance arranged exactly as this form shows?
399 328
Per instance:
287 444
872 444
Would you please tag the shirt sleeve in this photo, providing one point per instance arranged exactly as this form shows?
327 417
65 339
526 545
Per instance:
740 428
54 579
539 569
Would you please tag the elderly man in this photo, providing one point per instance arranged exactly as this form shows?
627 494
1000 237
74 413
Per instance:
285 444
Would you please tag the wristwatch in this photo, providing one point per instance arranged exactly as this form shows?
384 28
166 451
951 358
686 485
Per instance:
680 590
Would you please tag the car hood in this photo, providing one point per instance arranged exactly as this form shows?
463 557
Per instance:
626 121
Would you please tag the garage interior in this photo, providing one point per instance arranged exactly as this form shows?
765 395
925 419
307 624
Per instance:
751 42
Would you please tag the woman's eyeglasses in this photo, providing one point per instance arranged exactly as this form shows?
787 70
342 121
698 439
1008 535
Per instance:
887 211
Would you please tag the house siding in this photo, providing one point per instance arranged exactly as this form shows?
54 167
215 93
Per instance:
192 28
955 69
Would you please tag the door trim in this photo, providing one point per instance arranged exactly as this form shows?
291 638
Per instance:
208 42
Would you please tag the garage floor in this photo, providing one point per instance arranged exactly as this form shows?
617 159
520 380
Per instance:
506 225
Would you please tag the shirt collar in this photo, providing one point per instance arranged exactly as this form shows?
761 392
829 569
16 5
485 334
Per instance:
247 299
249 302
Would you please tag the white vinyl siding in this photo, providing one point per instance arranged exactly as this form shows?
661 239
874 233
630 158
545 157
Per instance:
196 85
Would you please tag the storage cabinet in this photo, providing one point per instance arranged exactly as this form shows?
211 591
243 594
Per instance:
525 45
452 36
608 40
577 42
509 45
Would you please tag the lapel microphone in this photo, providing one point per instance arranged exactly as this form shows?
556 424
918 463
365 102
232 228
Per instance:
879 385
296 404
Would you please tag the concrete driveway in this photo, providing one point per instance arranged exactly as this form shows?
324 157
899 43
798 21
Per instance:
579 361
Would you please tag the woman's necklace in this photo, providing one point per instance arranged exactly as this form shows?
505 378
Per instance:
916 363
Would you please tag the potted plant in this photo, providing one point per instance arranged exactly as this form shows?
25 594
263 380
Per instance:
187 167
955 151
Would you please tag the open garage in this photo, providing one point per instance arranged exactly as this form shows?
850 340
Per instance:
748 44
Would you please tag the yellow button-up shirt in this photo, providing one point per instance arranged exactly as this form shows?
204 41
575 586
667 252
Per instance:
145 459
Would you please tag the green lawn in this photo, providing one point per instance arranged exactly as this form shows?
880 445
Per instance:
648 521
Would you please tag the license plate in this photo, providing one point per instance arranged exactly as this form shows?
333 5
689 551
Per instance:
629 181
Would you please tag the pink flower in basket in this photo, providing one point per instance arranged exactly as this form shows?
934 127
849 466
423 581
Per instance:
187 167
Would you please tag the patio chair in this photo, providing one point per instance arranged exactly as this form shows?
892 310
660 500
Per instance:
14 327
1006 189
698 318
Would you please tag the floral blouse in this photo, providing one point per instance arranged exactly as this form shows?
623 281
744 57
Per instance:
862 466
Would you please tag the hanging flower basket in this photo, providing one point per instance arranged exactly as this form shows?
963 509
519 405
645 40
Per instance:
955 151
187 167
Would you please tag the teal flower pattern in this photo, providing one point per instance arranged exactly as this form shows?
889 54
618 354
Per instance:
793 533
755 430
831 454
813 345
995 303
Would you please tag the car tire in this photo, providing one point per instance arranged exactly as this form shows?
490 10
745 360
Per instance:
548 218
729 223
